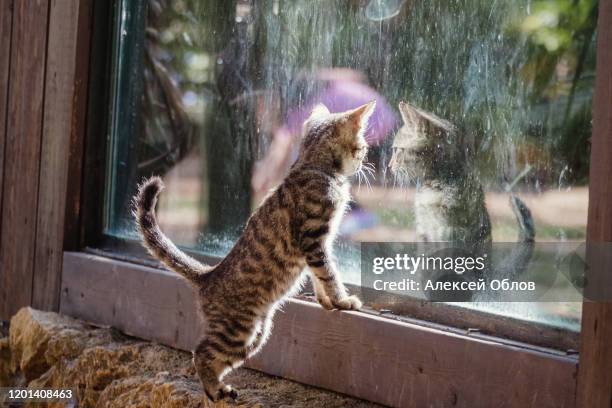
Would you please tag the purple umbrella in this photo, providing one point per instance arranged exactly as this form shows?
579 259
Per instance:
344 94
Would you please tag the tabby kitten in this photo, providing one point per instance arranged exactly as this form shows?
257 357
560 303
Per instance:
293 228
449 202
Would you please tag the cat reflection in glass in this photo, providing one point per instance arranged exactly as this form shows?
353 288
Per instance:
449 202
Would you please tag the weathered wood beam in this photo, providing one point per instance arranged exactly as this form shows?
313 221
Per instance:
62 141
595 372
28 55
370 357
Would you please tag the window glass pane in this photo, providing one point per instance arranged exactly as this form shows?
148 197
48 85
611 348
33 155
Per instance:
211 96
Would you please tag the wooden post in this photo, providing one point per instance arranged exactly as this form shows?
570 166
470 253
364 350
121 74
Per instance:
6 25
62 141
43 84
22 153
595 367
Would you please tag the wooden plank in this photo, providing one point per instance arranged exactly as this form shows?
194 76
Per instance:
595 373
22 154
6 25
63 132
78 130
384 361
127 297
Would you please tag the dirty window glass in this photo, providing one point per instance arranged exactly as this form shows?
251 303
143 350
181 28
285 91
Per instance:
211 96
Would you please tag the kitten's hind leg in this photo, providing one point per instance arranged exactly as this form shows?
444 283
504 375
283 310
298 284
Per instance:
225 346
211 365
223 350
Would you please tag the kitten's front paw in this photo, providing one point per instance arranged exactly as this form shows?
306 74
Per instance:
325 302
348 303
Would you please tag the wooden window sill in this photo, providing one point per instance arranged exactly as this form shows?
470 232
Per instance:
356 353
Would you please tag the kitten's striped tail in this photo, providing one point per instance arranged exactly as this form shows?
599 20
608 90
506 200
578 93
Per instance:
158 244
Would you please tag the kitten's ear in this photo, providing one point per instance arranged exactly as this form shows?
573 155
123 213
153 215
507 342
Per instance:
409 113
319 112
416 117
359 116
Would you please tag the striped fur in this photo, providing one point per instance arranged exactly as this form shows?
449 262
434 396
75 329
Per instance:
292 229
